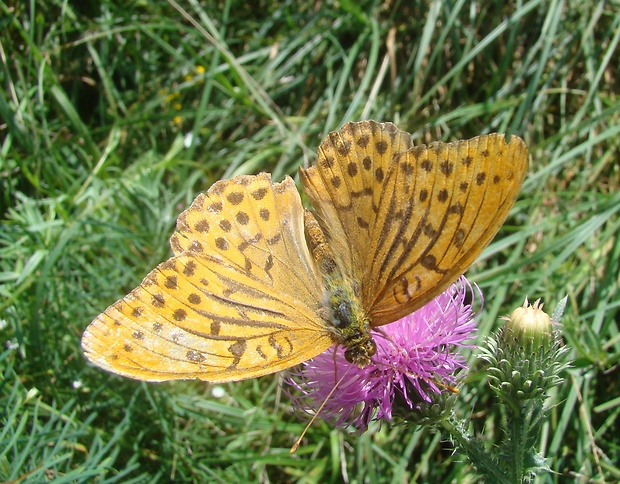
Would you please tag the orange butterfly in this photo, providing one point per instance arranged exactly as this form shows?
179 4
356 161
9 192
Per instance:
257 284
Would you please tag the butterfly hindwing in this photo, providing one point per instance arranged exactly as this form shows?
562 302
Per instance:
240 298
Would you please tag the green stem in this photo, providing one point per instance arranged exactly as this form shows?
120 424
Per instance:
517 431
476 454
524 428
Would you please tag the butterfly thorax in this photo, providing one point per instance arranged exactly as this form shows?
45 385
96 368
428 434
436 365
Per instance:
342 308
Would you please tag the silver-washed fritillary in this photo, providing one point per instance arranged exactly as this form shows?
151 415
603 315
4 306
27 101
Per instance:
257 284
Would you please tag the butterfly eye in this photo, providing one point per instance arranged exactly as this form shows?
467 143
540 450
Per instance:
371 347
350 354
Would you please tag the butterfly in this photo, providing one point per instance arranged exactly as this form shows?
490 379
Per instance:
258 284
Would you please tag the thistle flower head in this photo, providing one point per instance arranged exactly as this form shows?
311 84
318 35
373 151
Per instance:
416 358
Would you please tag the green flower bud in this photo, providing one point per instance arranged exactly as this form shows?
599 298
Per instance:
525 357
530 327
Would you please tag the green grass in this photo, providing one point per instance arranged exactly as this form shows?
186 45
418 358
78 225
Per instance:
97 101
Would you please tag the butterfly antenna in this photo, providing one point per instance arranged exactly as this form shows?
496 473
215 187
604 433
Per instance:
298 441
335 366
436 381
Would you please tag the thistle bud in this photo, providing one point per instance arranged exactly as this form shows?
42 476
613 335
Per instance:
530 327
525 358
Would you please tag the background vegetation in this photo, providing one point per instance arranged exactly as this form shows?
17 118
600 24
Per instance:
114 115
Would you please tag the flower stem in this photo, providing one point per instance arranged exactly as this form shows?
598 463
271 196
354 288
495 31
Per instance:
516 442
524 429
477 455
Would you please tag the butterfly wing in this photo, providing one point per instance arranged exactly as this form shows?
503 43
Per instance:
407 221
238 299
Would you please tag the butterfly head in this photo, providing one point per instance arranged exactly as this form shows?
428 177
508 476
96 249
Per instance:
360 352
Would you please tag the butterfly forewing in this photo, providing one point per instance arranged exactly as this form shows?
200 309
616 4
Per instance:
462 193
346 186
412 219
240 298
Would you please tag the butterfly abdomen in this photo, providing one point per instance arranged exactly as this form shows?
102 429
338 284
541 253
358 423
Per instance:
343 308
319 248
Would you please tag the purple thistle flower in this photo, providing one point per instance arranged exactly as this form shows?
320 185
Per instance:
416 357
